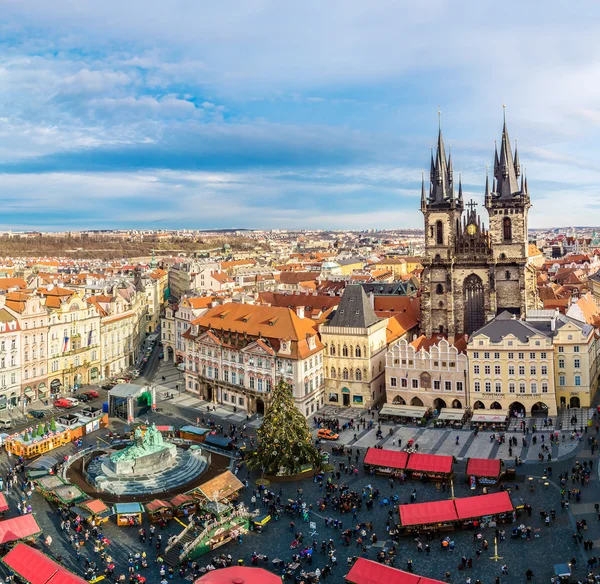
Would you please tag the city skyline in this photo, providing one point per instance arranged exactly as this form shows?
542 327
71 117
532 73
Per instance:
308 116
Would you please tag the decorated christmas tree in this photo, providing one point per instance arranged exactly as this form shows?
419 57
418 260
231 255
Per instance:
284 442
52 425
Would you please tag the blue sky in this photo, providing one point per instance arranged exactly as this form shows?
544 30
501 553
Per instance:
266 114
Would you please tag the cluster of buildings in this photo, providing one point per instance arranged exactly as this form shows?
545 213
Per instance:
68 326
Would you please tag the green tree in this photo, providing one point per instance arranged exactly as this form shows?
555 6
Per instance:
284 442
52 425
40 430
26 437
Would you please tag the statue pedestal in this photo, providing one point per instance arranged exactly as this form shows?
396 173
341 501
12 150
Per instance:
147 463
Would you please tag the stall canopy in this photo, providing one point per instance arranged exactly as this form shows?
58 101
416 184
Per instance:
157 504
403 411
426 513
451 415
94 506
482 505
3 503
483 467
128 508
238 575
18 528
222 486
430 463
368 572
386 458
35 567
489 418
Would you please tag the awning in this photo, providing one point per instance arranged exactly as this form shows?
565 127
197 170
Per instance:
35 567
238 574
482 505
496 418
29 391
95 506
368 572
403 411
194 430
128 508
426 513
483 467
3 503
452 415
158 504
17 528
430 463
386 458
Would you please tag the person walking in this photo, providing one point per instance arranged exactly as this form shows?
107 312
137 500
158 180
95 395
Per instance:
529 574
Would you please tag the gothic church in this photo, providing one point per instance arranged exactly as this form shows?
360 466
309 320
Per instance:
472 273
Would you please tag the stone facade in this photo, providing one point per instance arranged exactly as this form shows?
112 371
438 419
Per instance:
472 273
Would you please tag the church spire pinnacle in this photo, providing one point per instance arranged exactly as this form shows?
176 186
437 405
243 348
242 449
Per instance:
441 174
516 161
423 197
505 172
460 192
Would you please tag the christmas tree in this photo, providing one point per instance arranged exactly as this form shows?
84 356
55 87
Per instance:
284 442
52 425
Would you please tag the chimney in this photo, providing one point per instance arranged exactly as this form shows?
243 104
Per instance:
553 323
300 311
372 299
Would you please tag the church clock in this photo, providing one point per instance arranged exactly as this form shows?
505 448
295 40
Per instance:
471 229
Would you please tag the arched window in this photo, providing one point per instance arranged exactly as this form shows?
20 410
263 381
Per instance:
502 256
439 233
333 372
332 350
507 275
357 352
507 227
344 351
345 374
473 293
358 375
439 289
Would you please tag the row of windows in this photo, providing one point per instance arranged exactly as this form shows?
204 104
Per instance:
487 369
437 384
345 374
346 352
13 345
435 363
511 355
512 387
562 380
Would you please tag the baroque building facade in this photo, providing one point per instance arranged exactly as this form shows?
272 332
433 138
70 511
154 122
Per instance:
472 273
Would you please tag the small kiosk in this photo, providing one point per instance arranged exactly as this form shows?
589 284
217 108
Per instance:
129 514
385 462
3 505
497 421
193 433
92 510
485 471
431 466
21 528
159 510
66 495
183 505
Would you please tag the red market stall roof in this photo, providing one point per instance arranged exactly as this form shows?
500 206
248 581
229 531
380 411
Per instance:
369 572
3 503
483 467
426 513
493 504
158 504
430 463
386 458
17 528
95 506
239 575
35 567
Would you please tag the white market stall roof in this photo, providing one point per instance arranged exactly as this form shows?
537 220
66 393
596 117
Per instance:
403 411
498 418
457 415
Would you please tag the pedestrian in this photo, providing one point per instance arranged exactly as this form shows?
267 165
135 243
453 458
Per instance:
529 574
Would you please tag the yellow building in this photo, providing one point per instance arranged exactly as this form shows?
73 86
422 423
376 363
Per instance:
350 265
511 364
356 341
397 266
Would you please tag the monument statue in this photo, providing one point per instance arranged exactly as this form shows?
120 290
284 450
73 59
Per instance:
148 449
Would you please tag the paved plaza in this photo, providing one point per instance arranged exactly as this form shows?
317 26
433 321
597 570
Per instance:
548 544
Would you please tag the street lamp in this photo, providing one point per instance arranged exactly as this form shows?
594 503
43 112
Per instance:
178 390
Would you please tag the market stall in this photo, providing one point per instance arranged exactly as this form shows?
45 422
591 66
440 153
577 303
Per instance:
451 418
46 484
128 513
66 495
183 505
497 421
92 510
421 517
369 572
3 505
223 487
238 574
193 433
485 471
216 441
403 414
34 567
21 528
386 462
488 510
431 466
159 510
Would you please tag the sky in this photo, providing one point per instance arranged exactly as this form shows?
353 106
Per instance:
267 114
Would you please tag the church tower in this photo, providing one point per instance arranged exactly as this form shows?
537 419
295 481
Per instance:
442 211
508 204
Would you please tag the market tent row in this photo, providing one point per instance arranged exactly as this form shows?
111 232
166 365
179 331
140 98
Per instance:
448 511
369 572
35 567
19 528
488 468
389 461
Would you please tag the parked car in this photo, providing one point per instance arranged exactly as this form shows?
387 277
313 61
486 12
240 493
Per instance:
73 400
5 424
63 403
39 414
108 385
82 397
91 394
327 434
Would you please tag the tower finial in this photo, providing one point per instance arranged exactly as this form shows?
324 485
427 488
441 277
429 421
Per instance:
439 119
504 111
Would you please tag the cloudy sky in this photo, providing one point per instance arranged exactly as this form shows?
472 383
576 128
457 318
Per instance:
312 114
